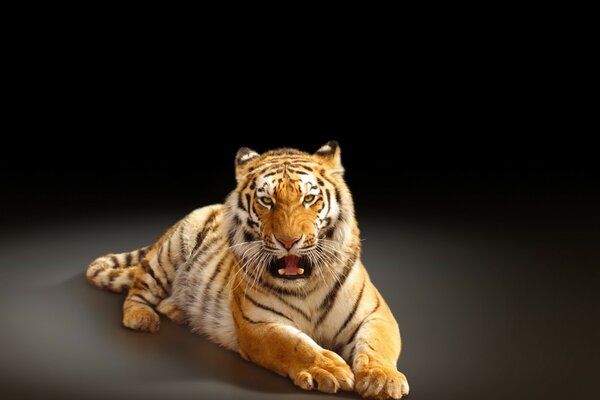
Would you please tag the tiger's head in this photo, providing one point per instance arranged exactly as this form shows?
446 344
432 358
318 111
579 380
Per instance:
291 216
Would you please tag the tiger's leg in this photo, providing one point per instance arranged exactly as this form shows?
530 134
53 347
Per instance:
375 349
282 348
152 284
138 312
168 308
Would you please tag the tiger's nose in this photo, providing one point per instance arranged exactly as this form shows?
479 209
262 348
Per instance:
288 244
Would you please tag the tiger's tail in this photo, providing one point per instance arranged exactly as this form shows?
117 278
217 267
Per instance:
115 272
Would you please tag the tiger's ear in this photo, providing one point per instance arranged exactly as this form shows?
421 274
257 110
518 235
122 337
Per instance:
330 156
242 159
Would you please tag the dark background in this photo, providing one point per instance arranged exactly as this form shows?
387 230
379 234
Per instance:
480 219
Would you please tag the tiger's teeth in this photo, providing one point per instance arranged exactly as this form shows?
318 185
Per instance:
281 271
300 271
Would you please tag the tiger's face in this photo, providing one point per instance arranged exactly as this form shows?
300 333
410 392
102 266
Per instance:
286 212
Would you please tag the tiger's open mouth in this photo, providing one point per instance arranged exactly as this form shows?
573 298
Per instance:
290 267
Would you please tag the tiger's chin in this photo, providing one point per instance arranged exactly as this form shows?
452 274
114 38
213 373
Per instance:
291 267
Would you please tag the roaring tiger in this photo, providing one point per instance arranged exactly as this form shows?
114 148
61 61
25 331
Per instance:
273 274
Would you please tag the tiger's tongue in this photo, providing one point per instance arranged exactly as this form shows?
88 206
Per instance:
291 265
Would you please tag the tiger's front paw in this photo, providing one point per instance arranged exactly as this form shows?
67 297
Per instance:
377 382
329 374
144 320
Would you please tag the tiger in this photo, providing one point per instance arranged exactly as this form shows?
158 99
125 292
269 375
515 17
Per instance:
273 274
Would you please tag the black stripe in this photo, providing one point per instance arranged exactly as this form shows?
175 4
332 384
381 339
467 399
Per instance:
169 257
293 307
240 203
220 294
324 176
208 250
267 308
351 315
284 301
144 297
135 257
351 359
251 320
231 236
248 237
237 300
159 258
226 280
205 294
321 209
249 203
192 282
251 223
328 201
115 261
140 285
244 185
182 246
202 234
137 297
353 336
128 259
281 290
338 197
269 174
327 303
200 238
236 220
166 244
131 299
329 232
148 268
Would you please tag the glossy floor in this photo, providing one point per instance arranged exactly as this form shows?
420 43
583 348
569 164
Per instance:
484 313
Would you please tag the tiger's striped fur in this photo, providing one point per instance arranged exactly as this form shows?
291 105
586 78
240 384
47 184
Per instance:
327 328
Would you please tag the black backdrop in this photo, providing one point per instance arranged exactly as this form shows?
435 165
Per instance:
486 165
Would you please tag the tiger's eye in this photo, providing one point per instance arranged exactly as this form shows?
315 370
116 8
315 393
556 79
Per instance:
266 200
309 198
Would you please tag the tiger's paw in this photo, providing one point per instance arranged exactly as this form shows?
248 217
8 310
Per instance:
144 320
328 374
376 382
169 308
